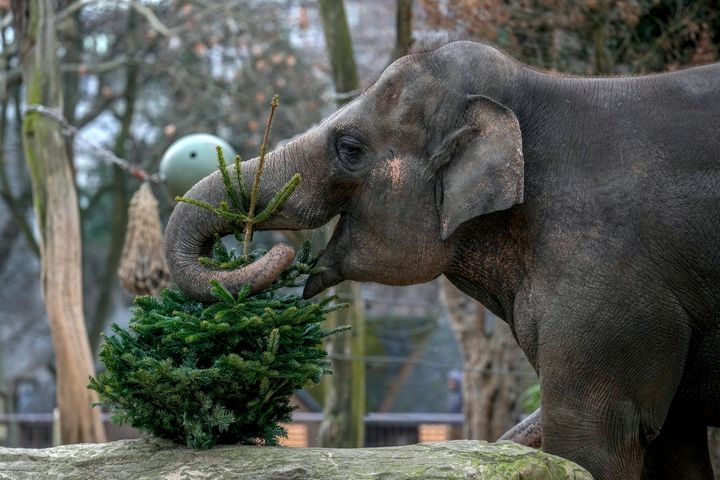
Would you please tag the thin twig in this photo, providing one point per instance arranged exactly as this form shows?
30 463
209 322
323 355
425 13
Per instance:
70 130
74 7
256 183
152 19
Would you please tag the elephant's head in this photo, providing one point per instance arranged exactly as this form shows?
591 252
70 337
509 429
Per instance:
404 165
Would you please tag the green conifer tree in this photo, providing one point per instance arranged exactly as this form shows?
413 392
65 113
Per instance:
220 373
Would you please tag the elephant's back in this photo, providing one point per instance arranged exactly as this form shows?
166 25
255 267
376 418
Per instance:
627 171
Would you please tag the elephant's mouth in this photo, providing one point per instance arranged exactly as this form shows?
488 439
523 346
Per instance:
317 283
330 261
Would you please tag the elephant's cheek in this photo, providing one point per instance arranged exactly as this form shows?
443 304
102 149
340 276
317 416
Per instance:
391 175
397 171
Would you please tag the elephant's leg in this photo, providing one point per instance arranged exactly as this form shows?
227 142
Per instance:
607 385
680 452
528 432
607 440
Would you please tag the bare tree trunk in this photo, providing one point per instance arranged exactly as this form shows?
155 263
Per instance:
339 46
398 382
403 29
109 282
56 210
71 37
18 203
15 203
344 410
599 25
344 406
492 360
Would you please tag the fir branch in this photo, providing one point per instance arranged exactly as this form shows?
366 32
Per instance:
219 252
244 292
241 183
258 173
303 255
222 210
221 292
197 203
232 194
278 200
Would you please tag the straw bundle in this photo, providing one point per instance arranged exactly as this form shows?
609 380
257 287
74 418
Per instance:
143 270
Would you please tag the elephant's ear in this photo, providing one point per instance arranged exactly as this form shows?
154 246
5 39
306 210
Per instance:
479 167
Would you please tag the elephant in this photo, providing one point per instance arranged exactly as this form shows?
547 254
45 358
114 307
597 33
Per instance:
584 212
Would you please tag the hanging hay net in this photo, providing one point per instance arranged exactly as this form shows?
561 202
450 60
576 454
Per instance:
143 269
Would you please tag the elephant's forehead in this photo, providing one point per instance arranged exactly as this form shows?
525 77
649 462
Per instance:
395 91
388 95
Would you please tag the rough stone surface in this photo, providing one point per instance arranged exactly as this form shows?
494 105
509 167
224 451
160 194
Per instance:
157 459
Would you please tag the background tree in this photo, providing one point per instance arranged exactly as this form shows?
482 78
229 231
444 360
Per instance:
403 29
495 370
589 36
56 212
344 409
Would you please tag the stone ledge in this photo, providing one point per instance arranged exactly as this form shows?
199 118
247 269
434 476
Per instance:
151 458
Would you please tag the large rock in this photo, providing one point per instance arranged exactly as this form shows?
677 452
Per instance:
158 459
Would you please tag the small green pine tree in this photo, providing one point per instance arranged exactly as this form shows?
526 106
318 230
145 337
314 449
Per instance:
221 373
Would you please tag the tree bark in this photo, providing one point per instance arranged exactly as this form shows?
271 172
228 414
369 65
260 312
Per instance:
494 367
339 46
70 36
18 203
398 382
343 423
15 205
56 210
344 405
599 25
403 29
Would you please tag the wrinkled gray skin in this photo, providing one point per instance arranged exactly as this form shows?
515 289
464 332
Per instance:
583 211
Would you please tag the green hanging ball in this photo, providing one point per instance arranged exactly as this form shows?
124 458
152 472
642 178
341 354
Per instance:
190 159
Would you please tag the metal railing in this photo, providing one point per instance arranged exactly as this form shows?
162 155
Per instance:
35 430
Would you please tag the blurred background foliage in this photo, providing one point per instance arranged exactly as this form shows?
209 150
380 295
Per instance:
589 36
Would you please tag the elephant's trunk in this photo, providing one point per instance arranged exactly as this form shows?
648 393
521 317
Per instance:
191 231
190 234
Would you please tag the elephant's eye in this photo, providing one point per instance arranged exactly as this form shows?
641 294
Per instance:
350 151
